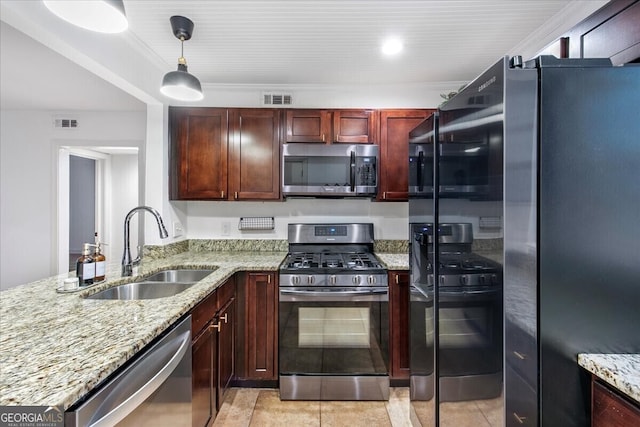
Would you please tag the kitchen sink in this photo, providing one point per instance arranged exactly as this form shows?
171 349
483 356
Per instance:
142 290
165 283
181 276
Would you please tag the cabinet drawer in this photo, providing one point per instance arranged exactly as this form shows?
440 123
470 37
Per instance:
521 352
612 410
203 313
521 401
226 292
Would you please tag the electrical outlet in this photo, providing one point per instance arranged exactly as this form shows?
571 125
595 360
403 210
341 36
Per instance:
177 229
226 228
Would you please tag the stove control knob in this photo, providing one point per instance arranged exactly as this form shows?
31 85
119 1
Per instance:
310 280
356 280
332 279
371 280
464 279
442 279
295 280
494 279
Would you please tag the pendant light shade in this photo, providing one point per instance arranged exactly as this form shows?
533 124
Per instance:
103 16
181 85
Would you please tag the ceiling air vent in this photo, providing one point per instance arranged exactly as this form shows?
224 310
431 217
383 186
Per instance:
276 99
65 123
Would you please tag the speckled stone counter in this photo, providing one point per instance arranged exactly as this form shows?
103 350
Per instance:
394 261
622 371
55 347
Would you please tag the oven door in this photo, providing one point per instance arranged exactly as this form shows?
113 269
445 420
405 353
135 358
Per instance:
331 339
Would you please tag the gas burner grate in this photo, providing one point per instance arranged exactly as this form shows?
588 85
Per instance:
302 260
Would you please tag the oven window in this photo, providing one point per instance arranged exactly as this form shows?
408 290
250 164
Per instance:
346 327
334 338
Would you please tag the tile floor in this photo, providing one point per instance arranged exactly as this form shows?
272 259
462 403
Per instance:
263 407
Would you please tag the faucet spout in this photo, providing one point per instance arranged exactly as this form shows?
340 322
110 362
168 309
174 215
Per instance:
127 262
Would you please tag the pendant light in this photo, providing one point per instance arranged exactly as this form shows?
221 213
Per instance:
180 84
103 16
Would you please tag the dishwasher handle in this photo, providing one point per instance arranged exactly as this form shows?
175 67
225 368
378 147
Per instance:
153 381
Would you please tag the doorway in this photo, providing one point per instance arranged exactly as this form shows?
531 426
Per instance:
97 186
83 221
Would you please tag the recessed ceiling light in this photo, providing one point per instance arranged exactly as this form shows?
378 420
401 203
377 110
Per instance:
392 47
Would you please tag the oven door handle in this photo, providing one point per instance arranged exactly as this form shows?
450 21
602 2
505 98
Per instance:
371 294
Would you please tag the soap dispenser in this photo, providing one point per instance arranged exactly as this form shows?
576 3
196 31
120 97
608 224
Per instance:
85 267
100 260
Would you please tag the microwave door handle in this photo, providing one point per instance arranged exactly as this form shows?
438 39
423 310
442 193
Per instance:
353 171
420 165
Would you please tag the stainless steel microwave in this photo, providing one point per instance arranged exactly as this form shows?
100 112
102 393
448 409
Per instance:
329 170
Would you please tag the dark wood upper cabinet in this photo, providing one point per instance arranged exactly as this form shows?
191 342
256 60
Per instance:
613 31
198 153
224 154
308 126
332 126
355 126
254 154
394 152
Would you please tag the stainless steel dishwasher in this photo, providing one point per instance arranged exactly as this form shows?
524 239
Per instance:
154 390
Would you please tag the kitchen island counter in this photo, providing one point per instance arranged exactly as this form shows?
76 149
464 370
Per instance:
56 347
621 371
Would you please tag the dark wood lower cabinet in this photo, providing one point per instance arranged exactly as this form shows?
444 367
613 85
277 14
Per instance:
610 409
226 349
257 329
203 404
399 327
213 352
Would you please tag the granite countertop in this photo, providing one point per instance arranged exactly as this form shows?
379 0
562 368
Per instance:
56 347
622 371
394 261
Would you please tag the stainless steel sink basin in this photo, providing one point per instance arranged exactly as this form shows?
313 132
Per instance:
182 276
142 290
165 283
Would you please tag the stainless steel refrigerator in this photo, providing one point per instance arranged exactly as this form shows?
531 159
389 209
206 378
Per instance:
572 231
554 198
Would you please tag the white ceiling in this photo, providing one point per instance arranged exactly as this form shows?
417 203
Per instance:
297 42
34 77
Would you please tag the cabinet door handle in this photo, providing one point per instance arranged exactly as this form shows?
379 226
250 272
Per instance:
269 278
520 355
397 280
323 137
216 327
384 195
222 194
235 195
519 419
224 318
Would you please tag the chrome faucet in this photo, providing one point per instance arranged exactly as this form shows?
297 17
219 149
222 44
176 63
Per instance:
127 262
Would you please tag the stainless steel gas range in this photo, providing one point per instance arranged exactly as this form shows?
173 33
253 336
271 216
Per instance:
334 317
